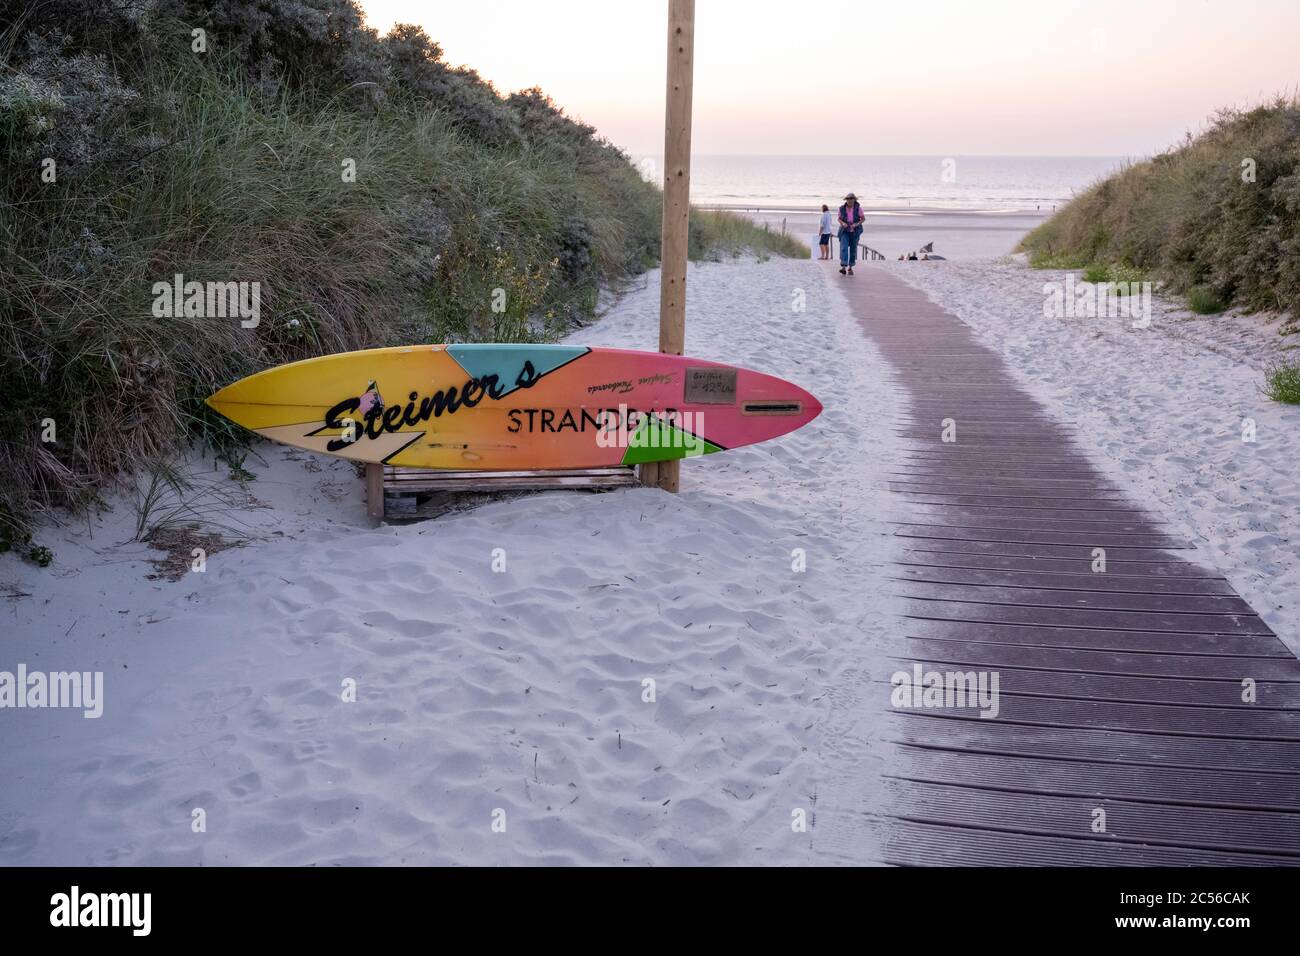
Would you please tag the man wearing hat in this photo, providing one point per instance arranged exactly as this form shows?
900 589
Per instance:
850 232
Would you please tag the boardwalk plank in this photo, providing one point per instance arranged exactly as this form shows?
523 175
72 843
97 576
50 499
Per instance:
1098 745
990 470
919 844
1064 778
1233 666
1078 597
1059 617
1205 828
1174 719
1268 695
1077 581
1034 522
1038 549
944 512
933 558
1089 539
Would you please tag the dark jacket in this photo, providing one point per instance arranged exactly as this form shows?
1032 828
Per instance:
856 228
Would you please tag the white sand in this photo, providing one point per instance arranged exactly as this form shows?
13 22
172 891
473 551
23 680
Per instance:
479 690
1161 409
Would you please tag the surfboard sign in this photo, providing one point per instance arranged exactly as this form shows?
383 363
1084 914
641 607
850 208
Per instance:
514 407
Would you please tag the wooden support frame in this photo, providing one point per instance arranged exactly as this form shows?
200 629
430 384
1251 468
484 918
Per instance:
387 485
375 489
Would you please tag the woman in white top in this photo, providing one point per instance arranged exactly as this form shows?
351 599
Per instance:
825 232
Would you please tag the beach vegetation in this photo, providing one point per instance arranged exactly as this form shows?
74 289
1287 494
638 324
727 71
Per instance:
1044 259
371 193
1215 218
1282 382
165 495
1203 300
717 234
1120 279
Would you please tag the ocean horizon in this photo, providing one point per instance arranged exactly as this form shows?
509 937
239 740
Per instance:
972 183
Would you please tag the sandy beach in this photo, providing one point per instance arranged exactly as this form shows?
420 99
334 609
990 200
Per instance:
651 679
479 693
956 234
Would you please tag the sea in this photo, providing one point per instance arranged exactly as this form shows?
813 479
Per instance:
983 183
967 206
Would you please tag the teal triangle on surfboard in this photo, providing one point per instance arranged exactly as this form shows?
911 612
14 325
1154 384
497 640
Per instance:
509 362
655 440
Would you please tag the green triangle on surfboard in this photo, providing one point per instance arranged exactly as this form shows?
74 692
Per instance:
656 440
507 362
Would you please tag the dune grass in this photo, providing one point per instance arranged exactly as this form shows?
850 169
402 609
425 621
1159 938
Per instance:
239 167
1122 279
717 233
1204 301
1043 259
1215 219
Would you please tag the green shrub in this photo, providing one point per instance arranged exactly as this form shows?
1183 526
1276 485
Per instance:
1127 276
1043 259
1120 278
1203 301
1282 382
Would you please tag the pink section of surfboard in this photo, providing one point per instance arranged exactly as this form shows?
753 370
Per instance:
651 382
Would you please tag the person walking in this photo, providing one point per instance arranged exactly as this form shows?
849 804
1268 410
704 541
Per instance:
824 231
850 232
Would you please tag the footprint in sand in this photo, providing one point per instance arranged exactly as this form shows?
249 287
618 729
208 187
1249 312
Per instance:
112 855
16 843
305 750
243 786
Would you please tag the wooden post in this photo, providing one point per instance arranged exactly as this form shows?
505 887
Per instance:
677 203
375 489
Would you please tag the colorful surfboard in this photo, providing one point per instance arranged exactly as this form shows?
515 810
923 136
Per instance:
514 407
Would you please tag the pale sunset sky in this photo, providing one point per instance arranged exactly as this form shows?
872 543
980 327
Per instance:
942 77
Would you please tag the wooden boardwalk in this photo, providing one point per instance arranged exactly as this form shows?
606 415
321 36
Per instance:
1124 733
